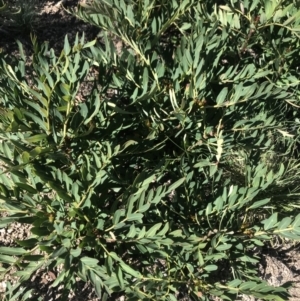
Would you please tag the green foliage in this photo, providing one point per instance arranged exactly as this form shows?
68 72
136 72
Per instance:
167 171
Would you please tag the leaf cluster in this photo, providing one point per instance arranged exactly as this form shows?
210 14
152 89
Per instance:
166 173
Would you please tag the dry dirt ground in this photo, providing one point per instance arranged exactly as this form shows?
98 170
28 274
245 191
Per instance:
279 265
50 24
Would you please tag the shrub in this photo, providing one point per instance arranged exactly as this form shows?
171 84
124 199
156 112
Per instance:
165 175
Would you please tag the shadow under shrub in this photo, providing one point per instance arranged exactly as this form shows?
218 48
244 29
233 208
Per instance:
163 174
18 17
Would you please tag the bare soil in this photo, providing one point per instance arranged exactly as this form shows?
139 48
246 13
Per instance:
52 23
280 264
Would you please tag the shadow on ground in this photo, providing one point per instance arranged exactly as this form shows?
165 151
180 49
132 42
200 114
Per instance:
51 23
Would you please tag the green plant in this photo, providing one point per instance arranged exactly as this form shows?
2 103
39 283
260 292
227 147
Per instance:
166 173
